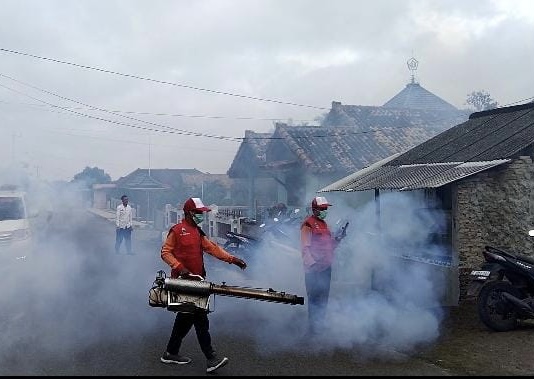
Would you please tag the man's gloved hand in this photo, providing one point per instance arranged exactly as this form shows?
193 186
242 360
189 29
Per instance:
184 273
239 262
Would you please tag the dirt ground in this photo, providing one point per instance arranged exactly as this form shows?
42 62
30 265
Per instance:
468 347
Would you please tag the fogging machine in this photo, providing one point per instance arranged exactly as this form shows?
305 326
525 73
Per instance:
188 295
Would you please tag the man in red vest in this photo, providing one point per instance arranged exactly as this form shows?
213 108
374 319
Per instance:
183 252
317 248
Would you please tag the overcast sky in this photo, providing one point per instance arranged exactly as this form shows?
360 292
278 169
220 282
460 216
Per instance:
307 53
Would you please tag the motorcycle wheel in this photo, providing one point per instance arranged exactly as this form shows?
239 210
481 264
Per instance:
494 311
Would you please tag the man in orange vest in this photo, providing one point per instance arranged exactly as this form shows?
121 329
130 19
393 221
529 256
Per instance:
317 248
183 252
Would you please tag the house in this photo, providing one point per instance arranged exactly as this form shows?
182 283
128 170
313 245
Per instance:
149 190
479 174
302 159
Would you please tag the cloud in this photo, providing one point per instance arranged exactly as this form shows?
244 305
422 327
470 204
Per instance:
306 52
328 59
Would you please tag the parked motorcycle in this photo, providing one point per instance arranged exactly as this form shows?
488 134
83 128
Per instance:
283 230
504 288
238 243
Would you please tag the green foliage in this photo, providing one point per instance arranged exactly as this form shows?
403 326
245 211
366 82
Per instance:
481 101
90 176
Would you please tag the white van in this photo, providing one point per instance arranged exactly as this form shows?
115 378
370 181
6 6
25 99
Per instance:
15 233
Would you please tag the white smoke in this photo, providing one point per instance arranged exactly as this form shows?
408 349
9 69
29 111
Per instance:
79 295
72 293
381 300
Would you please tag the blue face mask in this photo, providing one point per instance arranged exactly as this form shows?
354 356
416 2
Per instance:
322 215
198 218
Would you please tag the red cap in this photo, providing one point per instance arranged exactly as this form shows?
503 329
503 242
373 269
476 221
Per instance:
320 202
195 204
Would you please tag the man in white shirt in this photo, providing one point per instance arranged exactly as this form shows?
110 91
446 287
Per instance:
124 226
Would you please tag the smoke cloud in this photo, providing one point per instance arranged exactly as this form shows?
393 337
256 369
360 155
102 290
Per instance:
74 294
383 296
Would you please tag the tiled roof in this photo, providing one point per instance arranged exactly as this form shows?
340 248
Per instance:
139 179
168 178
346 149
413 96
250 155
351 137
488 139
366 117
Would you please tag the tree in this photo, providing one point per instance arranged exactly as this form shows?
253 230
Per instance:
90 176
481 101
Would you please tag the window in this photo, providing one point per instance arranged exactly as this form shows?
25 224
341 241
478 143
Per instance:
11 208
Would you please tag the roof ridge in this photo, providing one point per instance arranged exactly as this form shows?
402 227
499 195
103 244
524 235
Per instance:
490 112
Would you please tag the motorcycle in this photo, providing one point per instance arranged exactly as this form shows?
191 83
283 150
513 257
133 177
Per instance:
504 288
237 242
282 230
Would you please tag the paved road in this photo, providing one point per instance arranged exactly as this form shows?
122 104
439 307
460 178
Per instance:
79 309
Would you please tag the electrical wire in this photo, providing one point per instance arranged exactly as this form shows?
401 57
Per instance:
132 76
244 118
185 132
169 129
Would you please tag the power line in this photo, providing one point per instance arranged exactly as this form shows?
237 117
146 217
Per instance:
185 132
173 130
132 76
244 118
128 141
244 139
118 122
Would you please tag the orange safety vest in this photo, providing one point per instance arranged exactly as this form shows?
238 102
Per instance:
188 248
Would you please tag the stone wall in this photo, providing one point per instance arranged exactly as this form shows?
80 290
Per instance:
495 207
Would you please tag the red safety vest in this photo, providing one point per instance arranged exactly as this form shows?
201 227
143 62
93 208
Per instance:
188 248
322 246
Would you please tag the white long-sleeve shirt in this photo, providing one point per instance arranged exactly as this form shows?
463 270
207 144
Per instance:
124 216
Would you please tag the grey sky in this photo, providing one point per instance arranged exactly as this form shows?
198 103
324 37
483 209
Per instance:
306 52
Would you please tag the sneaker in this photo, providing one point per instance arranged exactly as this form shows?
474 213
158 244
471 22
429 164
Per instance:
215 362
175 358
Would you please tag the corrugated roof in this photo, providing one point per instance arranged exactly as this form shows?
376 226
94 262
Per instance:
410 177
488 139
491 135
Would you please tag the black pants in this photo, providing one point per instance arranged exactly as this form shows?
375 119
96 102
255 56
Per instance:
318 290
182 326
125 234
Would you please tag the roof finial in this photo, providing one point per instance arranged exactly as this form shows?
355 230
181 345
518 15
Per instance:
412 66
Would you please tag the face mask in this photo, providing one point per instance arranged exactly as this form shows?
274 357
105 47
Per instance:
198 218
322 214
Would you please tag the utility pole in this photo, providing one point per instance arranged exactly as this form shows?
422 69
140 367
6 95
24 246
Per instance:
13 147
149 146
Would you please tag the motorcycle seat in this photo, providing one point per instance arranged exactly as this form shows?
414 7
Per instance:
521 257
243 235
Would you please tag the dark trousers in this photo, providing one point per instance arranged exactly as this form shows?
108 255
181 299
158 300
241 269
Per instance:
182 325
318 290
125 234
